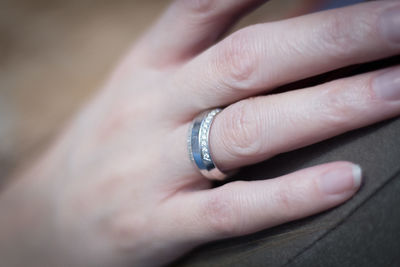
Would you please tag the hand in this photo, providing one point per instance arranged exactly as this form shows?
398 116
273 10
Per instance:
118 188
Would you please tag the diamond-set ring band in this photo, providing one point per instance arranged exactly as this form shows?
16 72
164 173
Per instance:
199 147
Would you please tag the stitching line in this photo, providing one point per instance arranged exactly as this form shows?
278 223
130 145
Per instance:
395 175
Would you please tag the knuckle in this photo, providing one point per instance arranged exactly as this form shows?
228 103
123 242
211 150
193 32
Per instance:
289 198
336 106
240 129
236 58
125 231
220 214
133 104
342 33
119 118
199 6
282 199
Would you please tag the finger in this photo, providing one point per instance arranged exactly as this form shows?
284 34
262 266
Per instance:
262 57
189 26
240 208
255 129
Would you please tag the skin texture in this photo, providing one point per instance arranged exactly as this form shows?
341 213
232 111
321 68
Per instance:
117 187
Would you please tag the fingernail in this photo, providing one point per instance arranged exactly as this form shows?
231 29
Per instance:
387 85
341 180
390 24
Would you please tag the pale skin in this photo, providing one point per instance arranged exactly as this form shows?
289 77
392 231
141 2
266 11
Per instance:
117 188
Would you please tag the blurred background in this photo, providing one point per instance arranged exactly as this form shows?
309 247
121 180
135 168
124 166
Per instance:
55 54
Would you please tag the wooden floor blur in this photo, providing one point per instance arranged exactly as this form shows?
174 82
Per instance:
54 54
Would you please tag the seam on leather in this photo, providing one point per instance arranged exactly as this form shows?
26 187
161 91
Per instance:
354 210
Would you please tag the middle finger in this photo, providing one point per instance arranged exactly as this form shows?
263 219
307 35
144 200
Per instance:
265 56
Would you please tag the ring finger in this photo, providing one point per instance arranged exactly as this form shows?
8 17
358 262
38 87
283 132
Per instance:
258 128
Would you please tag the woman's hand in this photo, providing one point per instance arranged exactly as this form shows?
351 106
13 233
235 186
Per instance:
118 187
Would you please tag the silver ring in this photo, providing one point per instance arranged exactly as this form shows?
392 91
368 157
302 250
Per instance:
199 147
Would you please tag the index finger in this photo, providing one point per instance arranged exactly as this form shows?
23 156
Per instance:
190 26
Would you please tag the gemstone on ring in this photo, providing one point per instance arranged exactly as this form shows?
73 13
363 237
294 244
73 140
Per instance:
199 147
